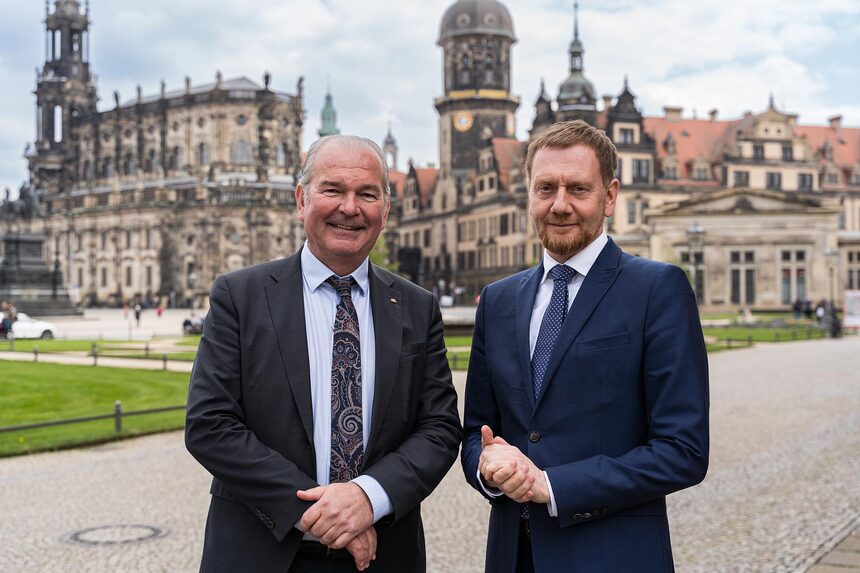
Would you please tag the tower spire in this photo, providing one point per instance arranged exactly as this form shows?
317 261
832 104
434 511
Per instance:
328 115
576 49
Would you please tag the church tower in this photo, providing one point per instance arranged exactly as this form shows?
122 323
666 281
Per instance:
389 149
328 116
576 95
476 37
65 91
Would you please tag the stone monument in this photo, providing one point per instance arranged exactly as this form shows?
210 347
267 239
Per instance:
27 282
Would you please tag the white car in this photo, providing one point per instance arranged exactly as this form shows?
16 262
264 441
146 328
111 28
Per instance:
28 327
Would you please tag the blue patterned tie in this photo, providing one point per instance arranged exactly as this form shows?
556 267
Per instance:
347 445
550 326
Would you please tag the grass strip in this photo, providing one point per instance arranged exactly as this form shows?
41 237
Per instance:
31 393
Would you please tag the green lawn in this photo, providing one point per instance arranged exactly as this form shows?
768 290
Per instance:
181 356
760 334
451 341
459 360
31 393
192 340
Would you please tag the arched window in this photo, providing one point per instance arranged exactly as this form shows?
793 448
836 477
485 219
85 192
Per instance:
202 154
88 170
281 155
107 167
174 158
129 165
241 153
58 124
149 164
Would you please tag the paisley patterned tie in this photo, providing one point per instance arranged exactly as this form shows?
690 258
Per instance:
347 446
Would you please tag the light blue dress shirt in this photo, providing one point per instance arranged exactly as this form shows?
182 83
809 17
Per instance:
581 262
321 302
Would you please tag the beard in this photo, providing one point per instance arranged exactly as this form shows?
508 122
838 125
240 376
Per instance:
572 242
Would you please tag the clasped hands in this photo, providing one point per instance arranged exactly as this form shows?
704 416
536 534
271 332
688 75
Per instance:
505 467
341 517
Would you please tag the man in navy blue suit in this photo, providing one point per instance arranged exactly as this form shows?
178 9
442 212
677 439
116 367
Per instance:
587 393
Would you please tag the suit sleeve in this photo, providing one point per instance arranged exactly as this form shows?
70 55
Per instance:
216 433
410 472
675 391
481 407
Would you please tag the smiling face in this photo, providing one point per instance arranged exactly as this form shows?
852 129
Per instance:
568 199
345 209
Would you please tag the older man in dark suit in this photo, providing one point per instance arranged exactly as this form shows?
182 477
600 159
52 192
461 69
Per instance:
587 393
321 399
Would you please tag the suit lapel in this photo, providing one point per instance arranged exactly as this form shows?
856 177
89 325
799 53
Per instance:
594 287
525 304
386 308
287 309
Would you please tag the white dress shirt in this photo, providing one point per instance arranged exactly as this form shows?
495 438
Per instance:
321 302
581 262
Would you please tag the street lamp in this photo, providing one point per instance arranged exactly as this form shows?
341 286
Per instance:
696 242
831 319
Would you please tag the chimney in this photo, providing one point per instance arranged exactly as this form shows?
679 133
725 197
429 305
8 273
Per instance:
713 114
835 122
607 101
673 113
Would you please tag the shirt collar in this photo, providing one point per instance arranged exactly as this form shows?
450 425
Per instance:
315 272
582 261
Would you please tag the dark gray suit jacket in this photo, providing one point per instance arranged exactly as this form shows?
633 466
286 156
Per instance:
250 422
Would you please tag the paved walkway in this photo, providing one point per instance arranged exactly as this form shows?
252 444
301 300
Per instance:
782 493
80 359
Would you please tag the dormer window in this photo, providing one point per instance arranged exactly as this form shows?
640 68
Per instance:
626 136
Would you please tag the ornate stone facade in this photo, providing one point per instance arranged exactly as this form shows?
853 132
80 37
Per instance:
778 202
159 194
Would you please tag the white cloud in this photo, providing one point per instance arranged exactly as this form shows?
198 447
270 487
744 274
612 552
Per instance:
385 66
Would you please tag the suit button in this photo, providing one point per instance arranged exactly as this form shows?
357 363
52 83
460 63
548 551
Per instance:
577 517
534 437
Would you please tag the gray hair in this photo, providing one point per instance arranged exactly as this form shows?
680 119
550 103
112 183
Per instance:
350 141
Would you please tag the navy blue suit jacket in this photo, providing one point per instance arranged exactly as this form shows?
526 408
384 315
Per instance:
621 421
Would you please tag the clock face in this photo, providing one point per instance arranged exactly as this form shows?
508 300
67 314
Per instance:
463 121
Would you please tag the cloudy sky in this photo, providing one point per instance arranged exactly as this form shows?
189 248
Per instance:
385 66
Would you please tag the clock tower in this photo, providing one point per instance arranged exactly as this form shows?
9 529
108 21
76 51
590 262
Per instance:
476 37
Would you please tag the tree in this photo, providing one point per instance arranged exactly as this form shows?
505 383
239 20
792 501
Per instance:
379 255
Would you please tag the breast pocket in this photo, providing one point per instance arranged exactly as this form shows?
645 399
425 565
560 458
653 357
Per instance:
603 342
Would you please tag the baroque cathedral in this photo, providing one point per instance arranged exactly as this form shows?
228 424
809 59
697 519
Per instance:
761 210
153 197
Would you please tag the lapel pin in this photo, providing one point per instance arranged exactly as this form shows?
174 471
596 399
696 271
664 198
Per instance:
393 300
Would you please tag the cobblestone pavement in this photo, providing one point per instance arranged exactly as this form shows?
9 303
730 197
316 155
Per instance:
845 555
781 495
